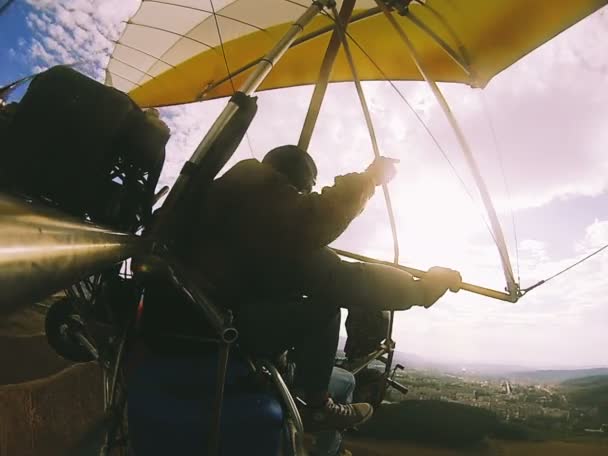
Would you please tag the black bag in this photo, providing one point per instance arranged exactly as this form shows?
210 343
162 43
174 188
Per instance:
85 148
366 330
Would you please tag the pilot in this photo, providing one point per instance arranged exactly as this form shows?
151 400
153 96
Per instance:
262 243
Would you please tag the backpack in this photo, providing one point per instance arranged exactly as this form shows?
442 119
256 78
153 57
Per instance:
84 148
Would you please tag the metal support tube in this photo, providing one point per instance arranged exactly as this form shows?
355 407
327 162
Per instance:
462 50
118 364
370 128
387 196
369 358
323 80
398 386
292 445
260 71
110 405
457 58
285 395
219 321
390 343
419 274
86 343
216 421
43 251
275 54
485 195
4 7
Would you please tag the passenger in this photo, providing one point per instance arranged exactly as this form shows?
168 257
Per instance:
262 239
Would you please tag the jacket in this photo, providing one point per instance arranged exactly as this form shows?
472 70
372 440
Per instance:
253 222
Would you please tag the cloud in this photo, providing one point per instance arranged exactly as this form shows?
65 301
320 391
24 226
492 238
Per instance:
75 31
548 112
596 235
188 126
561 323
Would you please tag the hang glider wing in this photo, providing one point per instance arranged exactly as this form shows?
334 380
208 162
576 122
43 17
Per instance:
170 51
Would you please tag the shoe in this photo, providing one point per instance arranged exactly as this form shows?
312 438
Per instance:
341 452
332 416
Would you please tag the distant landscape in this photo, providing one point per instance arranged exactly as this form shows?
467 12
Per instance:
456 404
450 409
491 370
462 410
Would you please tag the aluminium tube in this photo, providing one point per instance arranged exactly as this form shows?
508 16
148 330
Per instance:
327 65
220 321
497 233
43 251
419 274
285 394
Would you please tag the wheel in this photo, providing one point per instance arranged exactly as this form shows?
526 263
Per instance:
60 324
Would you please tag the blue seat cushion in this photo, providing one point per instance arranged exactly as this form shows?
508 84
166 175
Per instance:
170 401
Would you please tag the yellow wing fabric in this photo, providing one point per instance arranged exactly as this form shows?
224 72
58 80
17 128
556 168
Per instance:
170 51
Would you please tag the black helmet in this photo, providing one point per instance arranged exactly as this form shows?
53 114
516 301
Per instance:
296 164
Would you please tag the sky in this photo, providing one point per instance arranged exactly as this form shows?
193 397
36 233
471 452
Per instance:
539 133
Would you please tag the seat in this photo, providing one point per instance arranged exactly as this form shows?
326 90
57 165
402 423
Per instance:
170 407
84 148
172 375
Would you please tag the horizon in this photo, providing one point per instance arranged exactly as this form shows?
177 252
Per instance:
426 357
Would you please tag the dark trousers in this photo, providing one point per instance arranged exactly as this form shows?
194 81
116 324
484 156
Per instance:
311 325
308 325
302 316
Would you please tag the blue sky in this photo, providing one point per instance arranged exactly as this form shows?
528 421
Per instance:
550 116
12 29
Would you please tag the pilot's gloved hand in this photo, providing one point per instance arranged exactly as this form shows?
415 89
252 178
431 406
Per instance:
382 170
450 278
437 281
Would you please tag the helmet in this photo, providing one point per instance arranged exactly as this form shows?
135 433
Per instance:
296 164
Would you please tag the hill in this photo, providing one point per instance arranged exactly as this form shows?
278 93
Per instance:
557 375
439 423
588 392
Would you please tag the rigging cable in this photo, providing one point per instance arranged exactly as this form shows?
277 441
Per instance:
4 7
498 295
345 32
538 284
341 28
504 177
512 286
425 126
219 34
448 28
